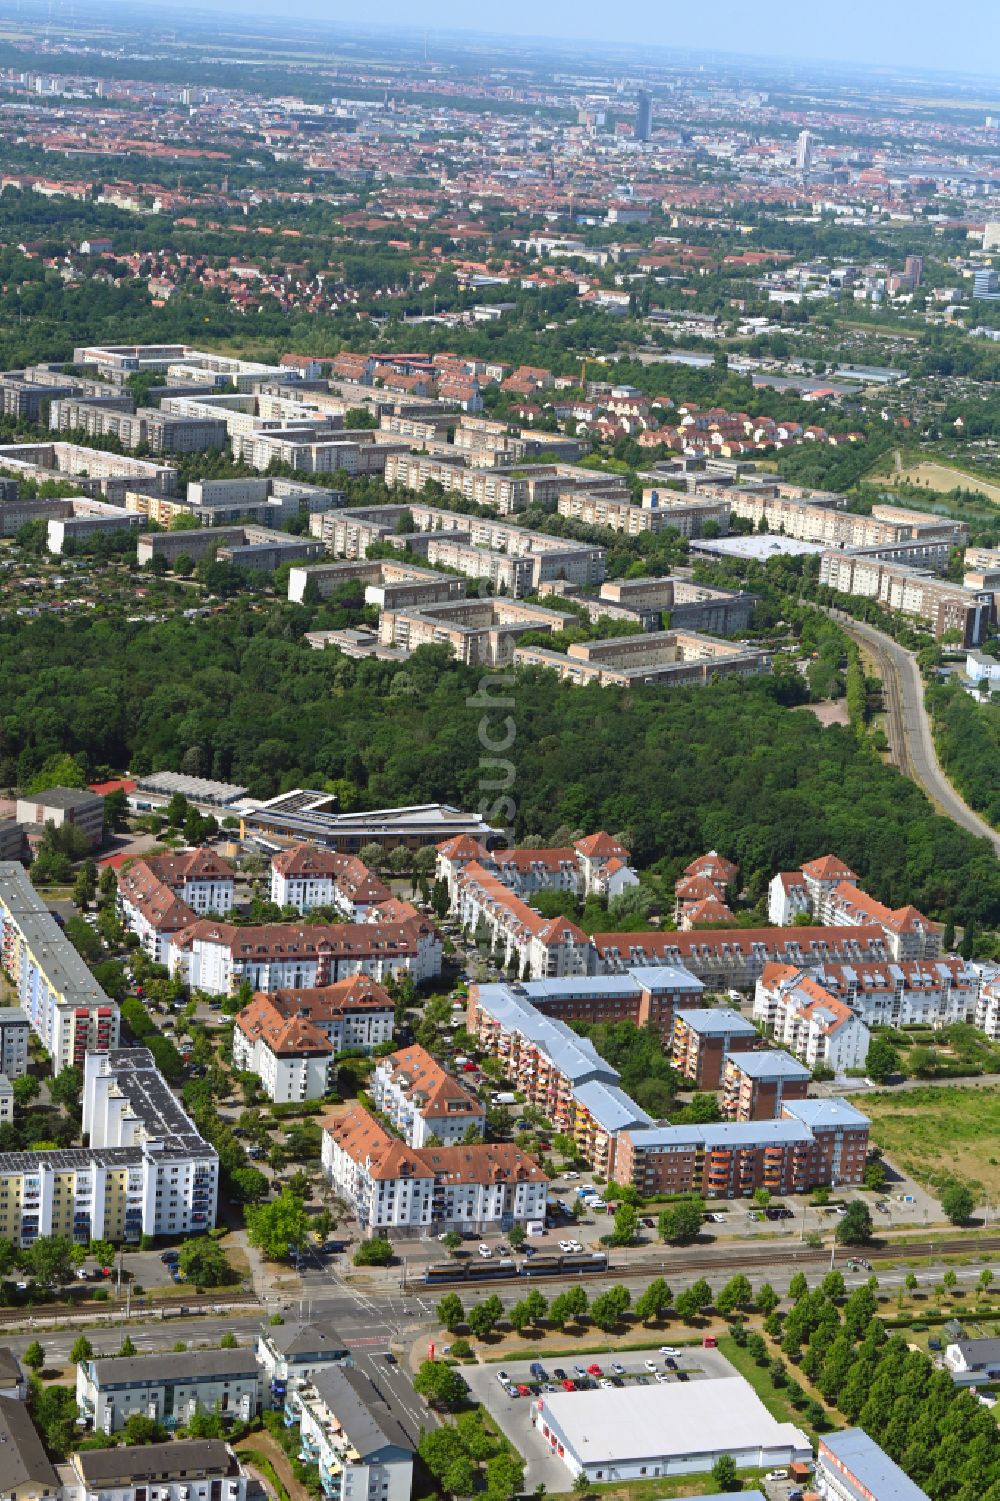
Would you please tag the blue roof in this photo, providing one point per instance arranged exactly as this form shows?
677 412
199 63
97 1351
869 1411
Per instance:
729 1134
876 1476
831 1112
770 1063
717 1021
610 1106
574 1056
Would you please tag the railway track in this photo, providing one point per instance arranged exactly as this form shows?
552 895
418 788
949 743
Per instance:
197 1303
743 1258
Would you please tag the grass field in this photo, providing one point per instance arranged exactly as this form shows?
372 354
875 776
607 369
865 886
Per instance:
936 1134
940 477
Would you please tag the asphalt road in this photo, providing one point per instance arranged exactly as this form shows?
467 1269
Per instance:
909 728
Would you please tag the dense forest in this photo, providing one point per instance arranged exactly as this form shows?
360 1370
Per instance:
240 697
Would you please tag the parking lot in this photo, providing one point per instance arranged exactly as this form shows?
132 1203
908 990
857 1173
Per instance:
512 1408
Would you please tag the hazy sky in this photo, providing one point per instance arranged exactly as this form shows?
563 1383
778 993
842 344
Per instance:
963 36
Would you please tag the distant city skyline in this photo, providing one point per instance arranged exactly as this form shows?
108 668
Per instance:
863 34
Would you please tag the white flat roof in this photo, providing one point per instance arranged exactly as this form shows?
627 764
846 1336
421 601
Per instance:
666 1421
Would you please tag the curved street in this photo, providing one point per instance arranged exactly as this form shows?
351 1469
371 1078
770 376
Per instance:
908 726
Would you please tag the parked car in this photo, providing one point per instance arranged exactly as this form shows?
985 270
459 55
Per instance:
485 1252
617 1369
503 1378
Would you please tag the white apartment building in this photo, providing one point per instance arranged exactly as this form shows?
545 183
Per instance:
348 1429
13 1042
219 957
827 889
391 1186
290 1056
168 1387
65 1007
172 1176
424 1101
306 878
817 1027
184 1470
290 1354
160 895
913 992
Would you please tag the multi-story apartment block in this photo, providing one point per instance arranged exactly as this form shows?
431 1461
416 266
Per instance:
645 997
703 1039
687 514
827 890
850 1465
913 591
146 1171
803 1015
736 956
700 893
347 1428
13 1042
480 632
127 1107
291 1057
347 534
673 659
423 1101
160 895
95 471
690 606
913 992
354 1015
756 1085
536 946
291 1354
824 518
391 1186
219 958
559 1072
814 1143
192 1469
386 583
987 1016
65 1007
63 805
305 877
256 548
169 1388
596 865
149 427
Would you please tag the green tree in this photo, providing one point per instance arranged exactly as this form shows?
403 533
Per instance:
140 1430
34 1356
204 1262
127 1346
516 1235
451 1312
737 1293
26 1089
280 1227
50 1258
608 1309
882 1060
833 1285
376 1251
767 1299
504 1476
82 1350
654 1302
681 1223
228 1341
855 1227
441 1384
482 1318
724 1475
568 1306
451 1240
957 1203
626 1225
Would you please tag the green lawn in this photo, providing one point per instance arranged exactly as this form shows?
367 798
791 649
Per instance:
773 1397
941 1133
